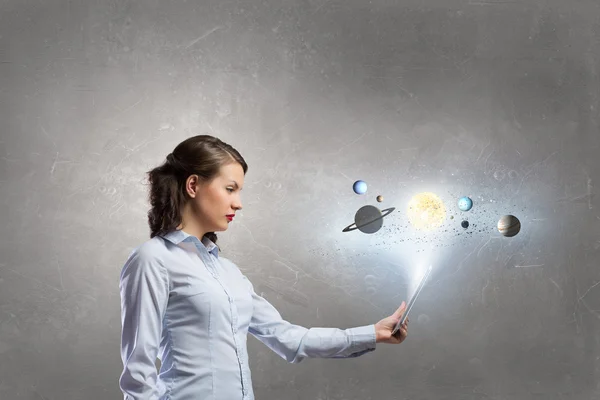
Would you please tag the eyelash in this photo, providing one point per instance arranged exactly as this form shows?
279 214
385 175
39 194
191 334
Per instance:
230 190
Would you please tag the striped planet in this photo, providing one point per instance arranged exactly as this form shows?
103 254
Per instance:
509 225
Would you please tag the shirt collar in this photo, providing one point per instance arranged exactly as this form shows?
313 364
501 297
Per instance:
178 236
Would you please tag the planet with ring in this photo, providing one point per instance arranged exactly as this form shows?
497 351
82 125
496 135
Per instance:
368 219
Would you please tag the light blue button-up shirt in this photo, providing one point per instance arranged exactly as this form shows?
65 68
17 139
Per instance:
189 307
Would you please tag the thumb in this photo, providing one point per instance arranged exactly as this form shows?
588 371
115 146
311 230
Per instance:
400 310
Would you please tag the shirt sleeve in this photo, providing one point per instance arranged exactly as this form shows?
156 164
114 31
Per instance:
144 294
294 343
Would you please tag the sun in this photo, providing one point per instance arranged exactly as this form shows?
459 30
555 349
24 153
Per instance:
426 211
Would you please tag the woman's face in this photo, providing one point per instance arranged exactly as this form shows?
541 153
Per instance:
215 202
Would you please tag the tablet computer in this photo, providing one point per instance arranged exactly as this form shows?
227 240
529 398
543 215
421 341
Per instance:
411 303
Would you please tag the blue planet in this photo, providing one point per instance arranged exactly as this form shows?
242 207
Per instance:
465 203
360 187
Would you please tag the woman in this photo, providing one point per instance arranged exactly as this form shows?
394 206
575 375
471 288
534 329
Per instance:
185 304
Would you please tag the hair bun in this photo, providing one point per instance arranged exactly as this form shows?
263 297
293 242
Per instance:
174 163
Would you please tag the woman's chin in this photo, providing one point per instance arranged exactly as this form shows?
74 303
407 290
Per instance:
222 228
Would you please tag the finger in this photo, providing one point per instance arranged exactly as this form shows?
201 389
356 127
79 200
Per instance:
399 336
401 332
400 310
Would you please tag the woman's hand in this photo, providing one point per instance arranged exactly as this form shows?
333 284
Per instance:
384 328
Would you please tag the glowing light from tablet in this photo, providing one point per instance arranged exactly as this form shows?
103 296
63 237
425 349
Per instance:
415 278
426 211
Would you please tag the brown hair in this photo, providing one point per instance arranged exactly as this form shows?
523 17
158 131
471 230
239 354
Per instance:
202 155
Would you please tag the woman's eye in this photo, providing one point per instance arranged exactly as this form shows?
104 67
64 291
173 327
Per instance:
230 190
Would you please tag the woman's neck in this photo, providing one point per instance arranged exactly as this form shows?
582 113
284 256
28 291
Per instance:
190 225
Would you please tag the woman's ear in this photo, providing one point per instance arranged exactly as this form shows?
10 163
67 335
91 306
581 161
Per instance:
192 185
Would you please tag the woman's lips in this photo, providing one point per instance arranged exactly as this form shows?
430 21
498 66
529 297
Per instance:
230 217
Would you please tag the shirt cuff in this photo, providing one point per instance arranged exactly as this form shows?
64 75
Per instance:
362 337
